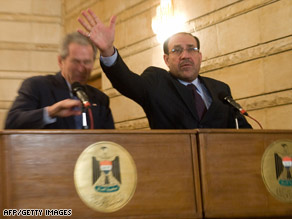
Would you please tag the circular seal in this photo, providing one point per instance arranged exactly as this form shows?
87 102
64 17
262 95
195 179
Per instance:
105 176
277 169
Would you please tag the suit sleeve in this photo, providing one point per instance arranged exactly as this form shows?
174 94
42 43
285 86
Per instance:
125 81
108 122
25 113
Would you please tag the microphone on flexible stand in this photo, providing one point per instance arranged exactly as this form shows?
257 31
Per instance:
228 99
78 90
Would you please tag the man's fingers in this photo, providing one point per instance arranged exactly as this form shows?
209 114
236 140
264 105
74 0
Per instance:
69 104
89 19
96 19
84 24
65 108
82 32
113 22
74 103
76 113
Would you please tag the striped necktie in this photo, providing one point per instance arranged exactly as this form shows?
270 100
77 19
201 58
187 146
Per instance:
78 118
200 104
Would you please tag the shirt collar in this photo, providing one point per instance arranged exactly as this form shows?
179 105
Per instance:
70 89
195 82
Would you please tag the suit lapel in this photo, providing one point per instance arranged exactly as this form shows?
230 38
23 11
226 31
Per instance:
60 92
213 94
186 96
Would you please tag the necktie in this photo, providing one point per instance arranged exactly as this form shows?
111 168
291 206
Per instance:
200 105
78 121
78 118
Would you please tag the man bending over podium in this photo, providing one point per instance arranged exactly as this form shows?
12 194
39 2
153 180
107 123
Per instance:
47 102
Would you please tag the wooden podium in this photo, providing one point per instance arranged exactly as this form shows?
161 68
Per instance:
180 173
232 185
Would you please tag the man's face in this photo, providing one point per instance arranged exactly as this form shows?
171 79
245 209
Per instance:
77 66
185 65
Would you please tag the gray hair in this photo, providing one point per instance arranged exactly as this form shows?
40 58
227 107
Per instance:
78 38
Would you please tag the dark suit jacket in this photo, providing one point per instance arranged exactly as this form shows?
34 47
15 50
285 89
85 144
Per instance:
167 103
40 91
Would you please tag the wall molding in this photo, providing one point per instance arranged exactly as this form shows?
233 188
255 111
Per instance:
21 75
30 18
248 54
267 100
29 46
226 13
5 105
139 123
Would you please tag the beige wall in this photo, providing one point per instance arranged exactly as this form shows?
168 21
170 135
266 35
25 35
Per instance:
247 44
29 40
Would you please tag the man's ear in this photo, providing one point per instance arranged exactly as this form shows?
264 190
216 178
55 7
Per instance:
200 57
166 57
60 61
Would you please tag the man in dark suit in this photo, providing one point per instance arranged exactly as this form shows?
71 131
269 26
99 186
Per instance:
46 102
178 99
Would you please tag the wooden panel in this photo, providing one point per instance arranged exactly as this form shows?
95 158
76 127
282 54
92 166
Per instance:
40 165
232 184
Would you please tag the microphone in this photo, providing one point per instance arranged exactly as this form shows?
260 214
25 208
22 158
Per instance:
226 98
78 90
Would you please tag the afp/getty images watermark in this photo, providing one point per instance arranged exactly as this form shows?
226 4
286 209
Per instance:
37 212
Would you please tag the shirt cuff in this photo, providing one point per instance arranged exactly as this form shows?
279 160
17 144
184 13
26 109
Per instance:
46 118
110 60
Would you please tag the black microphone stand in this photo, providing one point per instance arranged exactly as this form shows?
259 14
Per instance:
236 115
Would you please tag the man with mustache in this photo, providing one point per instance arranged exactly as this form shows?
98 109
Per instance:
178 99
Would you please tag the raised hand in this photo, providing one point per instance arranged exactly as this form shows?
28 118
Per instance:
102 36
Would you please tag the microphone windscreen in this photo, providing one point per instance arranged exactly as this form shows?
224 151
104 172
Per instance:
76 86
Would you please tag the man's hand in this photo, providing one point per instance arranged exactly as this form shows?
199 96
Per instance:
102 36
65 108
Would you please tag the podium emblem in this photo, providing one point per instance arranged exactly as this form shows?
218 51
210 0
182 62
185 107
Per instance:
277 169
105 176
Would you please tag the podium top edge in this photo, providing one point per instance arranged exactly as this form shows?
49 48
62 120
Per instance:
153 131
